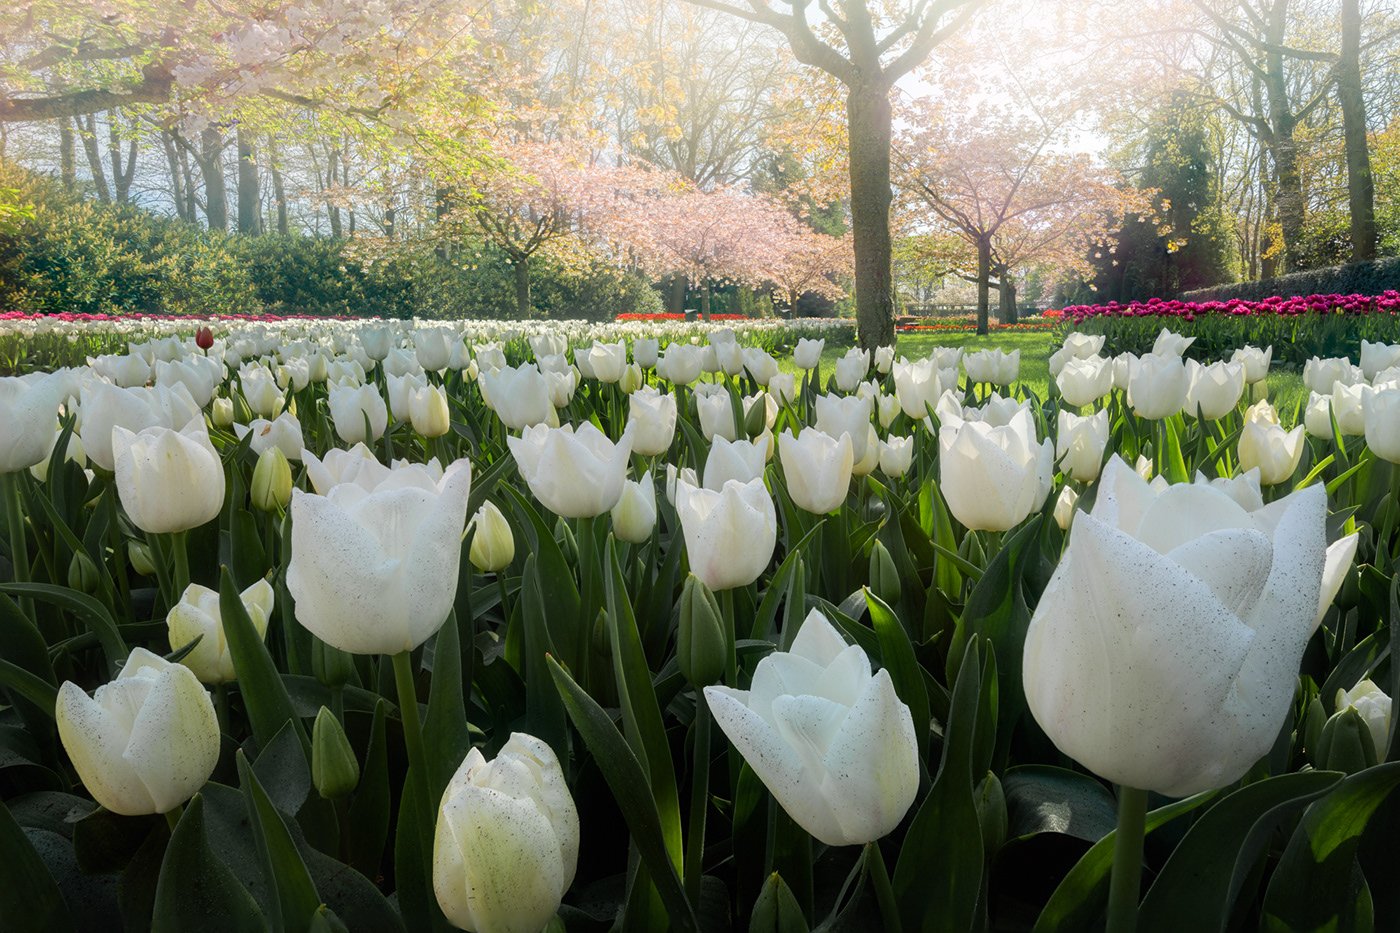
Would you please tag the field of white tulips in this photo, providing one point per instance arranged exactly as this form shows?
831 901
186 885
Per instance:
322 625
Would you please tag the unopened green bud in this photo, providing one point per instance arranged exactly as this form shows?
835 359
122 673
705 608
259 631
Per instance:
991 813
82 573
700 642
777 909
884 578
971 550
1313 720
631 379
756 417
1346 744
140 556
272 481
334 770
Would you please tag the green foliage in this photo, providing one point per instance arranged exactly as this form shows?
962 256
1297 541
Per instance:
60 253
1358 278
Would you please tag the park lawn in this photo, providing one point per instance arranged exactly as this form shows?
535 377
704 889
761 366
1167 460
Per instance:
1285 388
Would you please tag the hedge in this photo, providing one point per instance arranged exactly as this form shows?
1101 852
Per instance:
1357 278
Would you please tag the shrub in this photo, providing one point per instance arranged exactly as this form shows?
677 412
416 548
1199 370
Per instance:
1359 278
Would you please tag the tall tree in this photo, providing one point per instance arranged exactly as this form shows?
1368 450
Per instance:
1361 192
872 46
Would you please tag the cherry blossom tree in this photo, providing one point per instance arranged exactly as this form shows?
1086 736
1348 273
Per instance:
809 262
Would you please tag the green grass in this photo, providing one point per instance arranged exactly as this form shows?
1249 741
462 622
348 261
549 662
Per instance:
1285 388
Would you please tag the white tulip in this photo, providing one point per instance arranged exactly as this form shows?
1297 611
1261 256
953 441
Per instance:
1274 452
261 392
1085 380
845 414
884 359
993 477
1080 442
1214 390
760 365
284 433
1320 375
851 369
197 615
520 396
1164 652
1065 506
574 473
1374 707
28 409
817 468
737 460
896 454
145 742
1256 362
634 516
831 741
375 572
1169 343
168 480
681 363
355 409
105 406
644 351
1083 346
651 419
917 386
808 354
1157 386
867 463
716 416
428 412
606 361
1382 423
506 844
992 365
730 534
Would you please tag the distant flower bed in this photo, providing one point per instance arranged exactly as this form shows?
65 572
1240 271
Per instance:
105 318
1384 303
677 317
1298 328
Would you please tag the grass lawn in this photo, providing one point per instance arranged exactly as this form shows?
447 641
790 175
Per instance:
1286 389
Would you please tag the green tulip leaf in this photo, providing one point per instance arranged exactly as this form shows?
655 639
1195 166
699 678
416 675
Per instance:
195 890
264 695
1315 885
641 715
369 809
98 619
543 709
897 657
445 736
29 897
296 897
1082 895
1046 799
938 878
1197 887
630 787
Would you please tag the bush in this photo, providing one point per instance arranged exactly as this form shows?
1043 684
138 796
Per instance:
1358 278
60 253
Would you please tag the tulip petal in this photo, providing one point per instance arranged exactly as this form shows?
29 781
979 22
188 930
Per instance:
95 742
872 764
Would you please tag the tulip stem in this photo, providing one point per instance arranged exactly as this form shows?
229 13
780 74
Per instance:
180 546
884 891
412 727
699 801
731 654
19 550
172 816
1125 885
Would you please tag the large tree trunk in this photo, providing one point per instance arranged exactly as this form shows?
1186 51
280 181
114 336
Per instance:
211 165
249 209
88 131
66 152
1361 191
868 120
984 276
1006 305
522 287
1288 179
675 295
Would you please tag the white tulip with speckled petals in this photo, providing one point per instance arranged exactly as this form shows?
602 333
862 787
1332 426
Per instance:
729 534
506 845
1164 652
831 741
145 742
